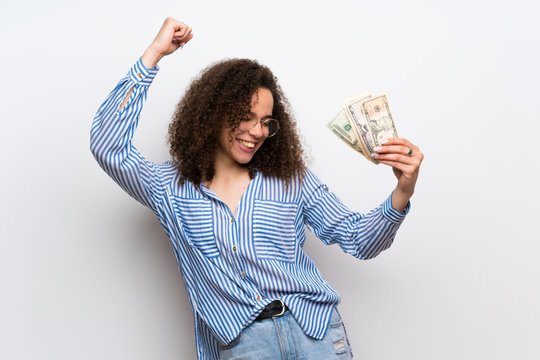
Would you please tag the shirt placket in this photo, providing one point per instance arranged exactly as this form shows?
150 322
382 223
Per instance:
231 227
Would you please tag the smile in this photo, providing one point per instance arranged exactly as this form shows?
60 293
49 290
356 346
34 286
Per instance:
247 143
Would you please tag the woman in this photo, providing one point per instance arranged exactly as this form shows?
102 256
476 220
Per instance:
234 202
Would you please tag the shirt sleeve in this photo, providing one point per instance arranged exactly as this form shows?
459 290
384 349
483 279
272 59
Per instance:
361 235
112 133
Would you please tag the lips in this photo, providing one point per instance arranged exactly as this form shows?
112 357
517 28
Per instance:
246 145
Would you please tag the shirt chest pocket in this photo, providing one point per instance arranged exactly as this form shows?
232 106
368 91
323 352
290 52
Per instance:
274 232
195 216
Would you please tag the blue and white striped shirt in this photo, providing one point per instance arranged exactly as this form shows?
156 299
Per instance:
233 266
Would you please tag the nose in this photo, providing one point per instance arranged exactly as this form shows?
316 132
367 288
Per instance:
257 130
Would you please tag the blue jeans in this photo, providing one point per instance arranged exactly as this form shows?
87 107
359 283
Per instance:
281 338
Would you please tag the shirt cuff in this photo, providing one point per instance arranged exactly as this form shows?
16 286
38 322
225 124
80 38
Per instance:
141 75
393 214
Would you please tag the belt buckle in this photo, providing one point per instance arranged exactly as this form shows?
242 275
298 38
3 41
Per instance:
282 308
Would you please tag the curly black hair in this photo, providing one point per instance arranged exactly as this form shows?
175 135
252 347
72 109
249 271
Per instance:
221 96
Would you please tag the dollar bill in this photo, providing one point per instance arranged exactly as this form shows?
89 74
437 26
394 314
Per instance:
341 126
353 111
363 123
379 119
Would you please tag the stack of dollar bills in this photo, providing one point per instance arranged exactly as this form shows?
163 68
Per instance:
363 123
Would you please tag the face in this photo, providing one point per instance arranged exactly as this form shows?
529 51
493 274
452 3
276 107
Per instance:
246 138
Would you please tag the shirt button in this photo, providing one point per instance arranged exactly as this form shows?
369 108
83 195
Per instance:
140 75
234 248
232 220
258 297
243 275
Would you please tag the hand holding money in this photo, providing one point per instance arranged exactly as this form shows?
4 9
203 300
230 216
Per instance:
405 159
365 123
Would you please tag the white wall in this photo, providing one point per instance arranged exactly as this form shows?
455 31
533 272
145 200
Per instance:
87 273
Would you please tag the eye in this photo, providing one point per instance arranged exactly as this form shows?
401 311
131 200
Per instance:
249 117
272 126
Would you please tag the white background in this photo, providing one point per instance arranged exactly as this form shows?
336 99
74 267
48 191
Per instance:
88 273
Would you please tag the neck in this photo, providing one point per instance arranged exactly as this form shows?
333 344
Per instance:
227 170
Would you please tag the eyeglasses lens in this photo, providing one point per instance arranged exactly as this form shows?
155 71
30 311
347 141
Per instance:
272 126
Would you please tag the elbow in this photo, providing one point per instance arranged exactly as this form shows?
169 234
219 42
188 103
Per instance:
371 248
94 146
98 148
365 255
368 255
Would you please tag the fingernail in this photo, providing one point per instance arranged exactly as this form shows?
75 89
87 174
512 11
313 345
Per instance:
383 142
378 148
374 155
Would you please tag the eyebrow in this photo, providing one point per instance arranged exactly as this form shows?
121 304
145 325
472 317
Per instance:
264 117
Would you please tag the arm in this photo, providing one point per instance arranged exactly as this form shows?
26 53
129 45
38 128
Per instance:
112 132
116 120
363 236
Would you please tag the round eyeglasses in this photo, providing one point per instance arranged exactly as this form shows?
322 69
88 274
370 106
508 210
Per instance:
269 126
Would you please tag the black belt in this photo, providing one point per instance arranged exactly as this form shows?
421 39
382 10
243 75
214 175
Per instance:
275 308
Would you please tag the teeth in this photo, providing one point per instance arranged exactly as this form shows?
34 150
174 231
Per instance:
247 144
